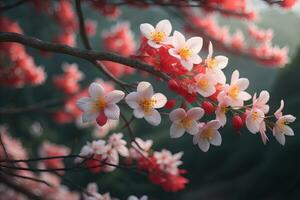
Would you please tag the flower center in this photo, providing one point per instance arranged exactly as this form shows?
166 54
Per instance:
207 134
203 84
158 36
281 124
186 123
224 109
185 53
147 105
255 116
234 91
212 63
100 104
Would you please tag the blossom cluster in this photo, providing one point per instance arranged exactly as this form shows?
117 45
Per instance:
200 81
161 167
17 67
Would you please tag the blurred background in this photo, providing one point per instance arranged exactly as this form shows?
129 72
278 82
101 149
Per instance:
241 168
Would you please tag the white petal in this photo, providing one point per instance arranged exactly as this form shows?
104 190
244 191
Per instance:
235 76
195 113
203 145
196 59
214 124
178 40
161 100
242 83
195 44
96 90
210 50
245 96
84 103
145 90
132 100
252 125
164 26
289 118
217 139
193 129
222 61
154 118
123 151
114 96
154 44
187 64
264 96
176 131
288 131
146 29
173 52
177 114
89 116
138 113
112 111
280 138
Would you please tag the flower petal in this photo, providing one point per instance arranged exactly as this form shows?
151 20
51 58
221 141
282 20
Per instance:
145 90
210 50
195 44
138 113
177 114
195 113
203 145
89 116
112 111
222 61
114 96
154 44
164 26
84 103
176 131
161 100
154 118
132 100
193 129
242 83
96 90
217 139
146 29
178 40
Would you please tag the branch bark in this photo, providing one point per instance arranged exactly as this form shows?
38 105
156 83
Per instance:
84 54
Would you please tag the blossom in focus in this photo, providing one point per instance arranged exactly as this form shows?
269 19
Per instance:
100 104
185 121
281 127
144 102
158 35
118 143
234 92
186 51
205 84
208 134
216 64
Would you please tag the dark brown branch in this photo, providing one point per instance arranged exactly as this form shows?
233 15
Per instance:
88 46
84 54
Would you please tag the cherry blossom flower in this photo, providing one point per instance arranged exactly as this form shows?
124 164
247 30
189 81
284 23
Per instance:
281 127
208 134
186 51
144 102
235 91
185 121
205 84
118 143
216 64
254 118
167 161
143 148
158 35
222 109
100 103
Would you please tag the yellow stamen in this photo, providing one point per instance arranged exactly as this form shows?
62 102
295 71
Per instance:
234 91
203 84
281 124
147 105
212 63
158 36
185 53
207 134
186 123
224 109
255 116
100 104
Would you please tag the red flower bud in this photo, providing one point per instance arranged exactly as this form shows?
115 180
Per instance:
208 107
237 123
170 104
101 119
